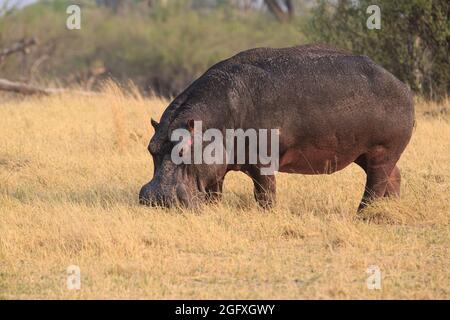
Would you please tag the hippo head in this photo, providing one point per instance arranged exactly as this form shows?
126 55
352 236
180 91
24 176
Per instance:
176 183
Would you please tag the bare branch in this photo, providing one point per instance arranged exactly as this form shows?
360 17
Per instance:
21 46
26 89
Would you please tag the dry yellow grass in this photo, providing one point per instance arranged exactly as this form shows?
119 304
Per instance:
70 171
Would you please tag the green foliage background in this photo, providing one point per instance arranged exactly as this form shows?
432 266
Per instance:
413 42
164 47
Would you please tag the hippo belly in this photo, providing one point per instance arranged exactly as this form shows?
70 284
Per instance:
315 161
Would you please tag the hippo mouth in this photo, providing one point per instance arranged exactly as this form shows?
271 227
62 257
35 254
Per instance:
181 195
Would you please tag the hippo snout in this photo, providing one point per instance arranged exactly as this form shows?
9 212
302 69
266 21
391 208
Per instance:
144 195
152 195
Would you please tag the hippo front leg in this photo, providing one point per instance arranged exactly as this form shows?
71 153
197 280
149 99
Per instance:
214 192
264 188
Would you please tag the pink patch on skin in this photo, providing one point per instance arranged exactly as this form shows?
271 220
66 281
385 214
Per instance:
190 142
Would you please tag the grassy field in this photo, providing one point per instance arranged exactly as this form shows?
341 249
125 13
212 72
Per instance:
70 171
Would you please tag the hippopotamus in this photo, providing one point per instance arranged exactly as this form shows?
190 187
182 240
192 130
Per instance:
331 108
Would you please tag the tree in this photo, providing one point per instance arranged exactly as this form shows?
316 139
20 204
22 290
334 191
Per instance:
413 42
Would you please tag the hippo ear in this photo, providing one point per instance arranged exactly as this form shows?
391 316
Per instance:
190 125
154 123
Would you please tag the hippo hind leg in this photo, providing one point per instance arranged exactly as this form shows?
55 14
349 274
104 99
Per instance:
393 186
383 176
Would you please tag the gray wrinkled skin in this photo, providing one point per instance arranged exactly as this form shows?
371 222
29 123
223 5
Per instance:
332 108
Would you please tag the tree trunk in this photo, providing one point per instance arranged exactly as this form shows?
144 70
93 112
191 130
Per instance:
277 10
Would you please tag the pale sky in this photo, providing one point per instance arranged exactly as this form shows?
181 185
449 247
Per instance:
19 3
